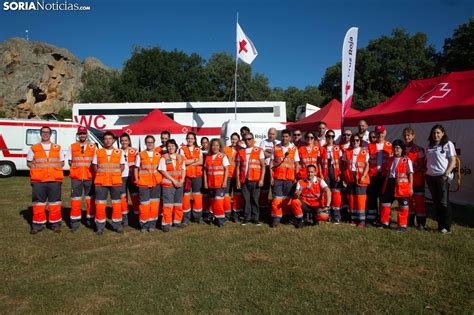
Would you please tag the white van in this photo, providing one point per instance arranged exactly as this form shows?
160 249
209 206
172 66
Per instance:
17 136
259 129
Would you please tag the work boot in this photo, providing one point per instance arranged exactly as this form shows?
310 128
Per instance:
299 223
74 226
166 228
56 228
36 230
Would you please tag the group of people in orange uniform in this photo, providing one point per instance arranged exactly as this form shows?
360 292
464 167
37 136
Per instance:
309 178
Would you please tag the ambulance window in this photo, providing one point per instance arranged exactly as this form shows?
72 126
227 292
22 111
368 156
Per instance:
33 136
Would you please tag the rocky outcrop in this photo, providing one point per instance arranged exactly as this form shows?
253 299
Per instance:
38 79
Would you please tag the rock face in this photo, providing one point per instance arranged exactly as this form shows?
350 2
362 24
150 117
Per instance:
38 79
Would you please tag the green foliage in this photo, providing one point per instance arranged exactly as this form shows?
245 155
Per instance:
64 113
3 114
383 68
153 75
98 85
458 51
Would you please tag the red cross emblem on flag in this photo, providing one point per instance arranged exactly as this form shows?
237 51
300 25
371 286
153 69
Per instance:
348 87
439 91
242 45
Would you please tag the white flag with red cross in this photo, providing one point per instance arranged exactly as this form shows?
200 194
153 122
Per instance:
246 51
349 51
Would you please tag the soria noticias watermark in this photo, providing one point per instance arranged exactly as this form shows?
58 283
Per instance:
44 6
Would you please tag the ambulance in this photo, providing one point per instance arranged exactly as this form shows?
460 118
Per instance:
17 136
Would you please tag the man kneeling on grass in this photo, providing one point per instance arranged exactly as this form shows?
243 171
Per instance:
308 197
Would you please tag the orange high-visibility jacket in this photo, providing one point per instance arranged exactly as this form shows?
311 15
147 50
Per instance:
215 170
231 154
416 154
310 192
130 156
360 166
402 183
308 158
336 161
81 161
284 167
130 159
148 175
255 168
46 168
192 170
108 171
387 152
176 172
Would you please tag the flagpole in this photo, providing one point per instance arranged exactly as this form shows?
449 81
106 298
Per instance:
236 66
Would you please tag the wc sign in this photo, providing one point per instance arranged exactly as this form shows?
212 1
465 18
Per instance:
97 122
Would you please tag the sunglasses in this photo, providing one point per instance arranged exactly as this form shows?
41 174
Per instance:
373 137
330 136
347 134
248 139
309 137
297 135
355 140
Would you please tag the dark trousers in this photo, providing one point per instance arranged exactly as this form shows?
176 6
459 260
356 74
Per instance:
374 193
439 189
251 194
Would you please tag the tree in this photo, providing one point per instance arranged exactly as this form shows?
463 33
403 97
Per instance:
98 85
458 51
383 68
152 75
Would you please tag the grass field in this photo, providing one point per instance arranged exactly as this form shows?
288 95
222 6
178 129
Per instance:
238 269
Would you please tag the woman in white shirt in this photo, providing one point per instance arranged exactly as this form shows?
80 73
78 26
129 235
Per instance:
440 162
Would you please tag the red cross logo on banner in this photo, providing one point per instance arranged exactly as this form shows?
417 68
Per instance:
439 91
348 87
242 45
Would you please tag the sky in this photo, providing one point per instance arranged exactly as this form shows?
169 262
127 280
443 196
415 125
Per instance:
296 40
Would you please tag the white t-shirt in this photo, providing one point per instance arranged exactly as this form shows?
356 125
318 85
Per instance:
138 159
321 140
225 160
46 147
268 145
355 153
379 156
330 153
365 136
162 166
126 170
285 149
394 167
437 158
322 184
247 157
109 153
